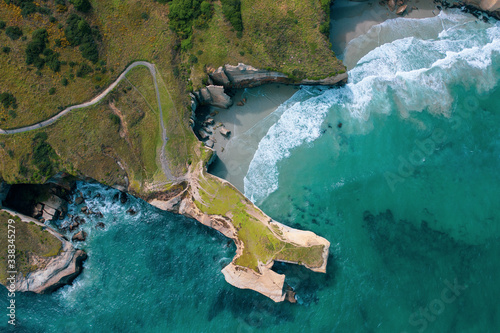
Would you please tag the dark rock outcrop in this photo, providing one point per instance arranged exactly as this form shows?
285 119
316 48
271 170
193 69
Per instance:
79 236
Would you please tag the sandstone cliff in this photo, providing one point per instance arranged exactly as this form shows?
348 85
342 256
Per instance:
245 76
54 272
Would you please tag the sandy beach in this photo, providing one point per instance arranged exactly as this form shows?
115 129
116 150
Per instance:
351 19
248 124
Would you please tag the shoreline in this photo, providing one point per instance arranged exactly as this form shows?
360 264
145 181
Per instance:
248 122
350 19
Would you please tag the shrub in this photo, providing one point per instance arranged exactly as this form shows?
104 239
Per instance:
6 49
186 44
114 118
8 100
83 70
52 91
78 32
2 25
12 113
145 16
193 59
232 12
64 82
14 33
43 154
324 28
36 47
81 5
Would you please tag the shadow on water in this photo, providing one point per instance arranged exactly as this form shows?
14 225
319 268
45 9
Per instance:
307 283
254 309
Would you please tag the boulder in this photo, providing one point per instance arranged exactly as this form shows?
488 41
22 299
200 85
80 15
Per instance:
131 211
391 4
225 132
203 135
401 9
123 197
209 121
100 225
74 225
79 236
79 201
209 144
38 210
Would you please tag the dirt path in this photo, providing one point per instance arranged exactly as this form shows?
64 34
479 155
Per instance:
97 99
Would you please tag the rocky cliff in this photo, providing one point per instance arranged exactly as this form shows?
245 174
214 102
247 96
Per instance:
53 272
245 76
264 280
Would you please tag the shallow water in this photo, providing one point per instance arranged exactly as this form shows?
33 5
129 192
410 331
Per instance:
406 190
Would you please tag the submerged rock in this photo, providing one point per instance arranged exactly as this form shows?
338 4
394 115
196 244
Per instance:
123 197
100 225
131 211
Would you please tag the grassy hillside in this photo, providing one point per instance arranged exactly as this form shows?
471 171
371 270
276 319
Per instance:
106 144
30 239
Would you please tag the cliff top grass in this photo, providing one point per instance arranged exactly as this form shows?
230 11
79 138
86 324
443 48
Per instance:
30 240
260 242
284 36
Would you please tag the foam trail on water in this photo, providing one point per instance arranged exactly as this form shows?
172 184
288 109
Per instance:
407 74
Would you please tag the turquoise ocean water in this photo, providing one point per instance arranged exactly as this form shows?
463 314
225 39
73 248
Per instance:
398 170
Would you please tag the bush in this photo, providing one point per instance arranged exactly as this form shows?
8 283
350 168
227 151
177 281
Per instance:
145 16
8 100
6 49
52 91
81 5
36 47
78 32
14 33
183 13
12 113
43 154
2 25
324 28
64 82
114 118
232 12
193 59
186 44
83 70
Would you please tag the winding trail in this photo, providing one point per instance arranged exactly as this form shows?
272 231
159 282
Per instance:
97 99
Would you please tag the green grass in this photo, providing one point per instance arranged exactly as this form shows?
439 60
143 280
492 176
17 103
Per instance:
283 36
30 240
261 244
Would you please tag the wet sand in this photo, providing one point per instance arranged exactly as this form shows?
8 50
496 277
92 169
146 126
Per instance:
351 19
248 125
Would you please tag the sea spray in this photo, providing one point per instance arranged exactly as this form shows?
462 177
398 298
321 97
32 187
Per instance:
408 75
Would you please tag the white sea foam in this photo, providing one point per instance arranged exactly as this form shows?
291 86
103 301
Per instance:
409 74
